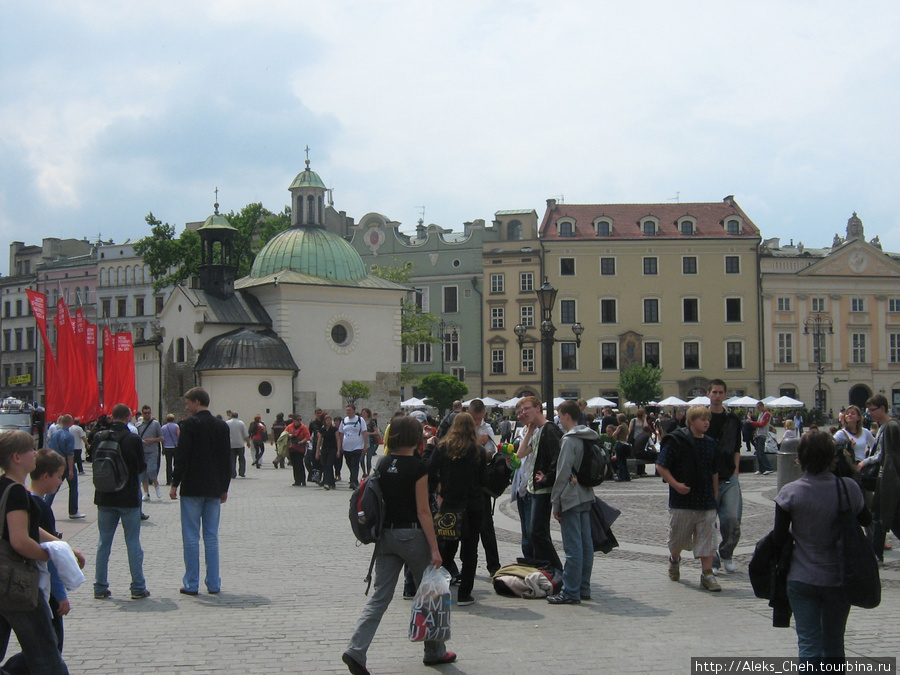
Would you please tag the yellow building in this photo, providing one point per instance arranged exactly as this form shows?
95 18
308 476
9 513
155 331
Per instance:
831 320
672 284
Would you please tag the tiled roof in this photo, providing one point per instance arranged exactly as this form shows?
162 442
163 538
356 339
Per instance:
626 219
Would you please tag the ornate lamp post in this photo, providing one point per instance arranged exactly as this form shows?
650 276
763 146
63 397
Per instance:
546 295
818 326
443 327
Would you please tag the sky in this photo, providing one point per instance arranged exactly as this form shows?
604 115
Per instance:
449 111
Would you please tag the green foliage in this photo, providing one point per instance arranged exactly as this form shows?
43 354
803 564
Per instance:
441 390
400 272
170 260
351 391
640 383
255 226
416 326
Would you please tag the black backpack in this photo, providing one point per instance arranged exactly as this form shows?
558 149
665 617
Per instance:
497 475
367 514
109 468
594 461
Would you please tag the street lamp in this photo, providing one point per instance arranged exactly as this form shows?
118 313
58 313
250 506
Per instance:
546 295
818 325
443 327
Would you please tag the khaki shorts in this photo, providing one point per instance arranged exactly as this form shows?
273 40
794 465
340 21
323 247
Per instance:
696 531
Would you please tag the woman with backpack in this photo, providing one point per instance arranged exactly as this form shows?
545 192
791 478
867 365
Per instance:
455 474
259 435
407 537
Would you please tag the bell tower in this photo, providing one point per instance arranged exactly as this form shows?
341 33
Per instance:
217 268
307 198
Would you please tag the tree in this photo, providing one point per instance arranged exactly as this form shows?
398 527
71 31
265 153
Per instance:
351 391
255 226
170 260
640 383
440 391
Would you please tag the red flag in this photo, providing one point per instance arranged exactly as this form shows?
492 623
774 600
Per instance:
67 362
52 403
125 365
110 369
90 408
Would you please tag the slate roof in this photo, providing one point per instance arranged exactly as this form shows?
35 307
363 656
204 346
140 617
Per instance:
240 308
246 349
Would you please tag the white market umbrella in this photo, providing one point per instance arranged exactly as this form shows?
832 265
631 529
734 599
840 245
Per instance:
599 402
487 400
699 400
741 402
673 400
786 402
413 403
558 401
511 403
768 399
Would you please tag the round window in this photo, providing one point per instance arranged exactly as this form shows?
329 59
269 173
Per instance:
265 388
339 334
456 263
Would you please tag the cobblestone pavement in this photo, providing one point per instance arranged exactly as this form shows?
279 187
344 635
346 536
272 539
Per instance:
292 591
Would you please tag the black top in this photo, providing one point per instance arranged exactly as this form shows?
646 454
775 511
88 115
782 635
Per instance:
203 457
315 428
329 437
20 500
460 478
691 461
399 475
132 446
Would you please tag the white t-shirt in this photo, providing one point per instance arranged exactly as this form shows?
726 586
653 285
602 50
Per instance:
79 436
352 429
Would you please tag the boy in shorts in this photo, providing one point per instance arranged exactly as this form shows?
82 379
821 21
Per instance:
687 462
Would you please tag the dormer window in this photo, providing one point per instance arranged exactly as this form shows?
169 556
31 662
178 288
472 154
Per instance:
687 227
648 228
566 229
514 230
604 228
733 226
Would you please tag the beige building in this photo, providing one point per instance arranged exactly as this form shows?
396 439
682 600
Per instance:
675 285
831 320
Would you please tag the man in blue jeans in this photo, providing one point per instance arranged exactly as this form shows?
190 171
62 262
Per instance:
124 505
725 430
203 471
63 443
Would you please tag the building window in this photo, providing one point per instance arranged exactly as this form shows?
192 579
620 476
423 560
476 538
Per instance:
6 309
19 307
498 361
689 264
691 355
179 351
107 309
158 303
567 311
818 305
734 355
733 310
7 340
451 299
651 310
784 304
421 352
608 356
139 307
566 229
604 228
513 232
648 228
732 264
20 342
687 227
498 316
858 352
567 267
651 354
857 304
121 309
29 338
497 283
785 348
265 388
733 227
567 358
339 334
451 346
526 315
894 355
818 342
526 281
651 266
691 310
459 372
607 311
528 359
607 267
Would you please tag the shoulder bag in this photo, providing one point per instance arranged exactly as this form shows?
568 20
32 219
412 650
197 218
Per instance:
18 575
856 559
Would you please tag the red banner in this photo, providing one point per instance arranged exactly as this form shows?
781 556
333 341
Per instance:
125 365
67 361
110 370
52 404
87 358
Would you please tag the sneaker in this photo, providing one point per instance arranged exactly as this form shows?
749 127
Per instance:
465 600
102 595
146 497
674 571
326 487
757 473
409 595
144 516
158 492
560 599
76 516
449 657
729 566
766 473
140 595
355 667
708 581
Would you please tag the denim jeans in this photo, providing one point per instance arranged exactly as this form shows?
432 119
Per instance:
523 502
395 548
352 459
238 462
73 493
541 512
107 521
37 638
730 508
762 461
820 616
370 454
579 548
197 512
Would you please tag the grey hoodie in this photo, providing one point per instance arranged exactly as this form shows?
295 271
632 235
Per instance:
567 493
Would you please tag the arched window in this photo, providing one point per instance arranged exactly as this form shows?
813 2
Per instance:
604 228
513 230
145 274
733 227
686 227
310 210
566 229
648 228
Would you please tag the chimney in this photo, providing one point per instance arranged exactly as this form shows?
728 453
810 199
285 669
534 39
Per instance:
730 201
551 204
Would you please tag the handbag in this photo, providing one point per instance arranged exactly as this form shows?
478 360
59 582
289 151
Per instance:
19 575
869 476
856 559
448 524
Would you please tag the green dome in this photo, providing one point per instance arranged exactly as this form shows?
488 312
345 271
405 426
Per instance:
307 178
309 250
217 222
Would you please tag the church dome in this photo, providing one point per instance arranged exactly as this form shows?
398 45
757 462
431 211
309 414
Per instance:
246 349
307 178
309 250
